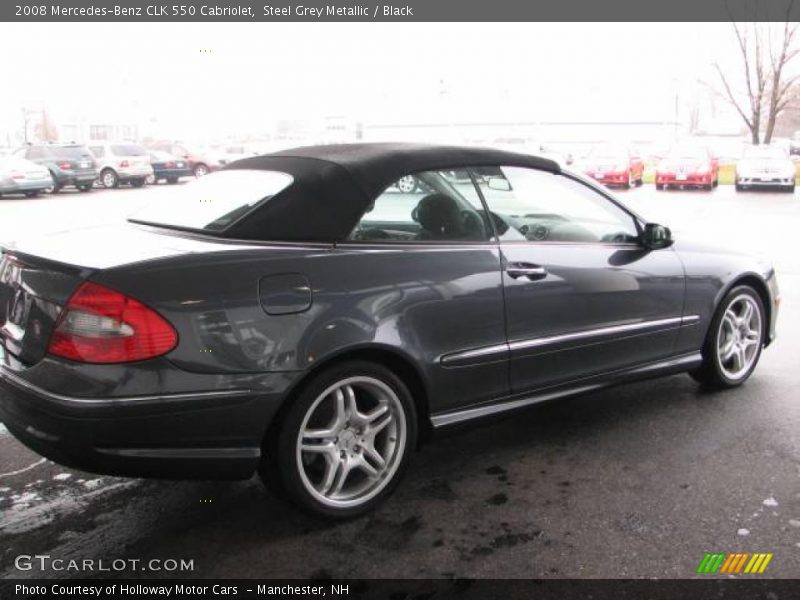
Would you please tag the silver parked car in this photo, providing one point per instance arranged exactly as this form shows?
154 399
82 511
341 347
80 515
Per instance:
21 176
122 163
765 166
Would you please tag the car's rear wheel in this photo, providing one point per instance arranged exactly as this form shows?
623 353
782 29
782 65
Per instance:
734 340
739 187
200 170
31 194
84 187
109 179
172 180
659 186
138 182
345 441
151 180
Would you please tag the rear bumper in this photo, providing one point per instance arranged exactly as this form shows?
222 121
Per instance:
764 181
19 187
615 178
691 179
165 173
201 435
75 177
134 173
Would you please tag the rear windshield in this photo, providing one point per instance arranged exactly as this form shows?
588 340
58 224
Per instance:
128 150
213 202
68 151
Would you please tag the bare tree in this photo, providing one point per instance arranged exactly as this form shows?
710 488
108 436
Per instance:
765 53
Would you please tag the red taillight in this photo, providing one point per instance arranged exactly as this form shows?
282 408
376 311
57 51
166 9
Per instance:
100 325
123 164
65 165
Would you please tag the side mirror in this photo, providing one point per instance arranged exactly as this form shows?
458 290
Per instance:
500 184
656 236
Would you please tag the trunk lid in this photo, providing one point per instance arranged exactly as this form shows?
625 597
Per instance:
38 276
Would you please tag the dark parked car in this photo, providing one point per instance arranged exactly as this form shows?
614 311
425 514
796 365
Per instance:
297 315
166 166
69 164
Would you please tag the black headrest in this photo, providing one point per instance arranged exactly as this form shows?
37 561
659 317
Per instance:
439 215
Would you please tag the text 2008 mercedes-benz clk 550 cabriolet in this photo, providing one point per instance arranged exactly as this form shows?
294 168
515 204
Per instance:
300 315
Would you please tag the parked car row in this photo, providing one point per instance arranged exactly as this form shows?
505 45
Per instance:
690 166
50 167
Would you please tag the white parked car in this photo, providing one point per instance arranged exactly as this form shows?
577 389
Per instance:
765 166
121 162
21 176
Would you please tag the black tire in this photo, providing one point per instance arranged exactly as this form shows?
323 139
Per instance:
708 187
710 372
789 189
31 194
137 183
659 186
739 187
280 469
200 170
172 180
109 179
84 187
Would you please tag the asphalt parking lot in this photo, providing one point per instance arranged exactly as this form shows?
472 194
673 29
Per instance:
636 481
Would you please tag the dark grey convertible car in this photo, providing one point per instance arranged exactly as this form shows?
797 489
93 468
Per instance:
298 315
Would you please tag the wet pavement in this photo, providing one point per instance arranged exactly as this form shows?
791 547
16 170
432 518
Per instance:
636 481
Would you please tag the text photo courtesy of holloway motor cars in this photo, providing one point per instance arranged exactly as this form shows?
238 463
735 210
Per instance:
432 303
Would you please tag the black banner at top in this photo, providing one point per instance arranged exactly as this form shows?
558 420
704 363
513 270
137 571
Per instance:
398 10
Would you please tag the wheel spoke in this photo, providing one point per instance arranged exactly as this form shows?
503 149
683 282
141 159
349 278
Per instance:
341 476
332 465
352 406
324 447
739 358
375 456
340 412
376 427
728 351
747 313
367 468
376 413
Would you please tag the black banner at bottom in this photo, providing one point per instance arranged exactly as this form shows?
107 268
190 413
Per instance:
408 589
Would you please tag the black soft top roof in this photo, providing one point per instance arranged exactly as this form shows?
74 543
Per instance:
334 184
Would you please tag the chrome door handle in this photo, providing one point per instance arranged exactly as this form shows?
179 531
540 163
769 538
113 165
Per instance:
532 272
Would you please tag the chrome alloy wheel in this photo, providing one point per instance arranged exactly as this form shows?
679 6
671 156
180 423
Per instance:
351 442
407 184
739 337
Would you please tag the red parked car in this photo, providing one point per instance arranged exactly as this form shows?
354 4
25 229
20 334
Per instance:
688 166
614 165
200 163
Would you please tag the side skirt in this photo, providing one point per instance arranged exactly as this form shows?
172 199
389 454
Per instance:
677 364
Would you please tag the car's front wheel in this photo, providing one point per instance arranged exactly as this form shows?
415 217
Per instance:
734 340
200 170
345 441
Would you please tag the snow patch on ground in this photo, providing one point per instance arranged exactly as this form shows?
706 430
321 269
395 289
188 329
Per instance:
3 430
62 476
770 502
743 531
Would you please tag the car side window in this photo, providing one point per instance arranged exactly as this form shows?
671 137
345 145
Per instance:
529 204
98 151
427 206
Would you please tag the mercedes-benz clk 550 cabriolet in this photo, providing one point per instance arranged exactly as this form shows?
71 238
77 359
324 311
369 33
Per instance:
297 315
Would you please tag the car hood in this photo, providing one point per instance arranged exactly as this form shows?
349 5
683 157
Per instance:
765 165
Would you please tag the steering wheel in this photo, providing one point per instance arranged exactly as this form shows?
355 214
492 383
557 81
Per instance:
538 232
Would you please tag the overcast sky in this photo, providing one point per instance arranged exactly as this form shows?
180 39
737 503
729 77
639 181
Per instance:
378 72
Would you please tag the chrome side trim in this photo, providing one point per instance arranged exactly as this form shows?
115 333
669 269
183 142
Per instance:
496 352
677 364
601 332
17 381
477 355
